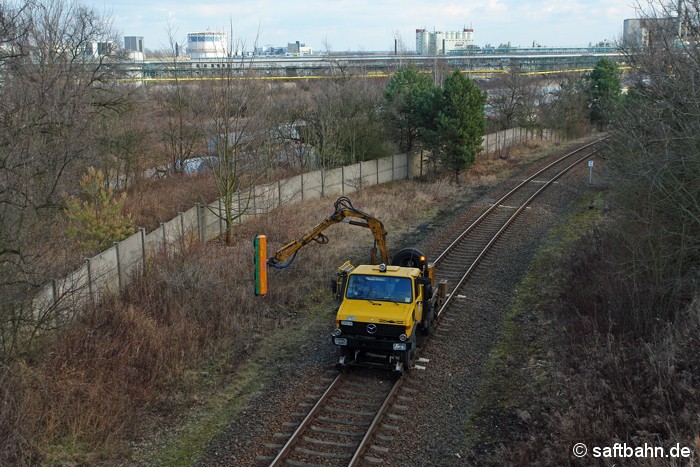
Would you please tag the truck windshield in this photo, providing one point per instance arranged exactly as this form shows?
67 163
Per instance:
386 288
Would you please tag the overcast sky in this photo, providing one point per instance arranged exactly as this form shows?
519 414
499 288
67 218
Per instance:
371 25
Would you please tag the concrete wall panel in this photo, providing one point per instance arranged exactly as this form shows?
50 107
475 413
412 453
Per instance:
333 181
313 185
130 256
386 170
368 173
352 175
291 190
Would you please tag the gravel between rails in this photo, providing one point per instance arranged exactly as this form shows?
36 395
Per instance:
433 430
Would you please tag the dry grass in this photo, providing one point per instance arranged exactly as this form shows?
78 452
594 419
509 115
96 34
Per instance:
489 169
88 391
595 374
136 357
612 390
153 201
131 354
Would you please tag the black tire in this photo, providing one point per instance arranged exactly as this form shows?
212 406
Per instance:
427 324
409 257
428 293
408 356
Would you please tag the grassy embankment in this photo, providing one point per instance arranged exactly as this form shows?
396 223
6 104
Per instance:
388 203
188 345
556 377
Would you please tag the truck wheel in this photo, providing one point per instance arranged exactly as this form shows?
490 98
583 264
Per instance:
409 257
427 325
408 356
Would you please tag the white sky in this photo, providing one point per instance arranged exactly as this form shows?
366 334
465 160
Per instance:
371 25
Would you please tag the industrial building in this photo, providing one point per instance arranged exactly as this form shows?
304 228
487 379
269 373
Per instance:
96 49
134 47
648 32
444 43
296 48
204 45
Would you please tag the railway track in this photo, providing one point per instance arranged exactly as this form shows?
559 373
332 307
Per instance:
358 411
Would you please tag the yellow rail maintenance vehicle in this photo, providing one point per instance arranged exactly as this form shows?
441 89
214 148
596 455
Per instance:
386 310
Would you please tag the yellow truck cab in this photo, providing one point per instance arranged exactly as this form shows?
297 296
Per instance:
384 313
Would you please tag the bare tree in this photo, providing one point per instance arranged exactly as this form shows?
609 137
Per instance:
512 98
122 147
342 122
55 86
566 108
233 105
656 161
287 126
179 113
399 46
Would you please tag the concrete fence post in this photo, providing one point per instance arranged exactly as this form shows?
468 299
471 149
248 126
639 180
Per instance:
255 204
240 210
181 215
143 249
377 164
203 223
88 266
119 266
164 245
342 180
221 217
198 215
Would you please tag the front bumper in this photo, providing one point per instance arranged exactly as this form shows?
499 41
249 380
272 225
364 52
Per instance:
371 343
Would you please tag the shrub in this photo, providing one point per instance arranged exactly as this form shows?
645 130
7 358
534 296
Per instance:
96 220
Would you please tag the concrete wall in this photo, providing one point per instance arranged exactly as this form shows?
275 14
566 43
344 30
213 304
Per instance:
111 271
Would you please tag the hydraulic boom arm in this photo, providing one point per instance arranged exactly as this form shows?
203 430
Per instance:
343 211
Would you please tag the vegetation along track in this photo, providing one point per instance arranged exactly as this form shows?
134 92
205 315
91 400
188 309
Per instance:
360 409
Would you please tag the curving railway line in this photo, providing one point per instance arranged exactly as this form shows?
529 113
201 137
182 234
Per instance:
348 418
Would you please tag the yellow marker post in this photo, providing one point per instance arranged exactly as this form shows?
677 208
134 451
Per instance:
260 243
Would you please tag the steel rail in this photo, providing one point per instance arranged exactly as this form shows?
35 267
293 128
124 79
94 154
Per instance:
508 195
510 220
370 431
356 458
380 413
286 449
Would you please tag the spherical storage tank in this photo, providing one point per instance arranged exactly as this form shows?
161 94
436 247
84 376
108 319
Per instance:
206 45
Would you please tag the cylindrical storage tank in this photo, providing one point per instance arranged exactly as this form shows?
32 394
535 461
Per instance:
206 45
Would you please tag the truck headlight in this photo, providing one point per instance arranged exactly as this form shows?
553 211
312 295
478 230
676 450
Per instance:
340 341
398 346
337 332
403 337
